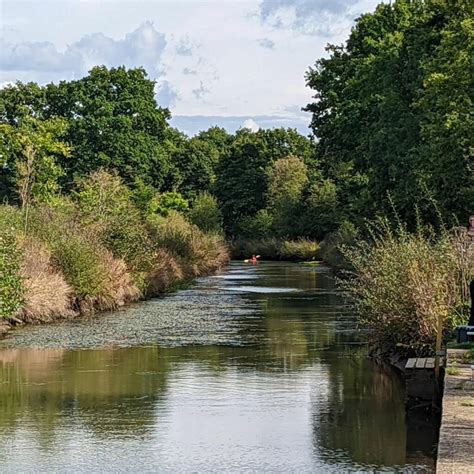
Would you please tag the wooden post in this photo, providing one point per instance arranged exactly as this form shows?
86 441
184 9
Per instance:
439 340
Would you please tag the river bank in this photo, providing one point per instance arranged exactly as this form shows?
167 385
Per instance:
456 442
95 251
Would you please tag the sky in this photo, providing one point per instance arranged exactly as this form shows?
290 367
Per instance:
228 63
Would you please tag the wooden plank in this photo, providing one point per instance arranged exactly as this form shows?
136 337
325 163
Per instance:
430 363
420 363
410 364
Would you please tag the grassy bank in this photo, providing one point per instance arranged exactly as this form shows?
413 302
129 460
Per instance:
402 282
276 249
95 250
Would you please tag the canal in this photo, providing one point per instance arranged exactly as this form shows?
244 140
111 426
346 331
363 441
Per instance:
259 368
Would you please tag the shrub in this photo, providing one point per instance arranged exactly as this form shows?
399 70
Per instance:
12 289
11 218
47 294
401 283
164 274
174 233
98 279
267 248
172 202
120 287
206 214
302 249
197 252
106 209
145 197
333 244
259 226
276 249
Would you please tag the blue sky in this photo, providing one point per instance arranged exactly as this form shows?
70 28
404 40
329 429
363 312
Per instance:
226 63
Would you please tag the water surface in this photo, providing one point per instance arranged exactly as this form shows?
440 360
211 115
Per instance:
259 368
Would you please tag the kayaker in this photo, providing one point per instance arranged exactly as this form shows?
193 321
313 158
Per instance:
254 259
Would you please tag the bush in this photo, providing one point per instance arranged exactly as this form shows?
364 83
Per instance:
302 249
401 283
11 218
197 252
98 279
171 202
268 249
334 243
96 251
12 290
206 214
276 249
164 274
106 208
47 294
259 226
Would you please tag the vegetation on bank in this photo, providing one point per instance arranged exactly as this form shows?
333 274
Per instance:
276 249
403 283
95 250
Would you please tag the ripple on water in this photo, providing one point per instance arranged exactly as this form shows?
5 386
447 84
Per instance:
261 289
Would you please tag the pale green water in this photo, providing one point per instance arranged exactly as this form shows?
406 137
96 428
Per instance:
256 369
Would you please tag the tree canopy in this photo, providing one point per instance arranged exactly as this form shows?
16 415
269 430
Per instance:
392 129
393 111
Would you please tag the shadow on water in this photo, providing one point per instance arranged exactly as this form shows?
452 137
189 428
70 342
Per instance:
245 380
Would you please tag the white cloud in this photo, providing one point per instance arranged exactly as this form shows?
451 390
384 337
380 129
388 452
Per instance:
142 47
166 94
39 56
326 18
185 47
251 125
266 43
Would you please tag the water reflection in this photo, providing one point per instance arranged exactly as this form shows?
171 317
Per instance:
278 384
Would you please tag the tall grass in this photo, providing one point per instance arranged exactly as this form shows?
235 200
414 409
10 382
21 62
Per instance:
402 282
276 249
301 249
197 252
95 250
12 288
164 274
106 208
47 293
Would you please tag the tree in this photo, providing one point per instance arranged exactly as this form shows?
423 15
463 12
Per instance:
115 123
241 184
206 214
287 179
447 126
384 104
172 201
30 152
320 214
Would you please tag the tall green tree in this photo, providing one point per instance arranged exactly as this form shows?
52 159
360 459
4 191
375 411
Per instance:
447 126
287 179
383 102
114 123
241 184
